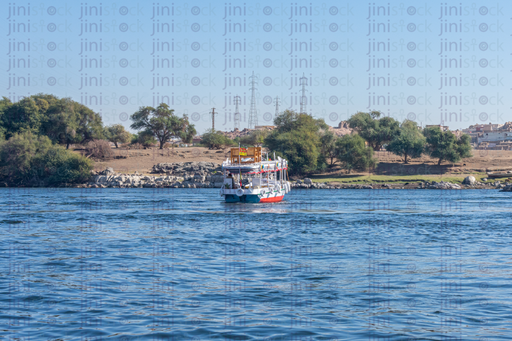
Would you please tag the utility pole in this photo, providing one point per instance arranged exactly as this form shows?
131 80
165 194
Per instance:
277 107
213 118
253 114
236 117
303 98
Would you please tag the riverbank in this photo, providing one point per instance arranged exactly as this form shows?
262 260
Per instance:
209 175
199 167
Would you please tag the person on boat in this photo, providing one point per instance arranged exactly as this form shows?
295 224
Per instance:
230 176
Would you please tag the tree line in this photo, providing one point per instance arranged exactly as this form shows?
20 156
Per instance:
310 146
37 131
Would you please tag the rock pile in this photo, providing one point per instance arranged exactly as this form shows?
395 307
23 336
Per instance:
185 169
443 185
507 188
174 175
308 184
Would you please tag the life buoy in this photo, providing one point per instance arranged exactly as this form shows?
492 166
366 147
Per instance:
239 192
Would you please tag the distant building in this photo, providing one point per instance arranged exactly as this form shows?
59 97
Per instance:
197 140
495 136
443 128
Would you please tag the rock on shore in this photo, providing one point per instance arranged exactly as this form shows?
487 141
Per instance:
209 175
443 185
171 175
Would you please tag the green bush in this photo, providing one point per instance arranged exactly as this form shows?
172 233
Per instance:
256 138
216 140
58 166
144 138
28 159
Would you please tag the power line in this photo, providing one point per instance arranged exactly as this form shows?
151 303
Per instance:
303 98
213 113
253 114
236 116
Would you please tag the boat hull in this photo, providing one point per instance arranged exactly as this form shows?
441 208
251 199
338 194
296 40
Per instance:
252 198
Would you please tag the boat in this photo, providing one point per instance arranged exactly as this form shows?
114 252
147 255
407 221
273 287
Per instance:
250 179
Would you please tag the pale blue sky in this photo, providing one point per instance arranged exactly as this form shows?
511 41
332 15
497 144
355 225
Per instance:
211 44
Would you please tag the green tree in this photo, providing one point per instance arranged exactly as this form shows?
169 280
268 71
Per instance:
163 124
375 130
5 103
117 134
24 115
328 146
300 148
61 121
297 139
352 152
216 140
90 125
145 138
409 142
256 138
445 146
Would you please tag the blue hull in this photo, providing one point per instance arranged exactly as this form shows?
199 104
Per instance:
253 199
244 198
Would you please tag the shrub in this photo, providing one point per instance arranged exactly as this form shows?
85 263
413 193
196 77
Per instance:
256 138
16 155
28 159
216 140
136 146
145 138
58 166
99 149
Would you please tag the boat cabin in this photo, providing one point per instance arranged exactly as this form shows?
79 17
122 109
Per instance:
246 169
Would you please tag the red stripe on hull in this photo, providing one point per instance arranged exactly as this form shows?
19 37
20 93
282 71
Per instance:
274 199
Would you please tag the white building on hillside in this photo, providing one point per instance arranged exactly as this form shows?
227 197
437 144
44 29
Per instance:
495 136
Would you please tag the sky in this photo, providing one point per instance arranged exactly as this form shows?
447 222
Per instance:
431 62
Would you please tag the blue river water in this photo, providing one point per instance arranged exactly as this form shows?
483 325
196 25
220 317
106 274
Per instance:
180 264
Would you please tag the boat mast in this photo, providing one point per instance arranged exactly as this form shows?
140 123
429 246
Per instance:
239 167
